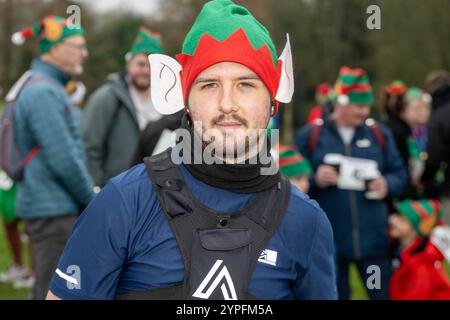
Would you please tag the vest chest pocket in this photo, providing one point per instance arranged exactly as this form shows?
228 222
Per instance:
219 264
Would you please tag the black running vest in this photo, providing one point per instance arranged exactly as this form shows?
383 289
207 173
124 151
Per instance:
219 250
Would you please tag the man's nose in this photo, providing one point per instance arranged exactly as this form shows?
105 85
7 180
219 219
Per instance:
227 103
84 53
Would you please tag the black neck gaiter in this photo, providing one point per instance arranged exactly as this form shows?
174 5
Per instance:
241 177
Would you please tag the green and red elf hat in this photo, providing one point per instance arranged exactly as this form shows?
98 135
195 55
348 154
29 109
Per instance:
416 93
423 214
397 87
352 86
50 31
146 41
292 164
223 31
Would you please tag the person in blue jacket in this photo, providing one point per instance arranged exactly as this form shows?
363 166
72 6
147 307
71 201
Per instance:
196 232
356 166
56 184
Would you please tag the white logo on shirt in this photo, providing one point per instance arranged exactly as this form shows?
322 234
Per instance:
74 279
223 274
268 257
363 143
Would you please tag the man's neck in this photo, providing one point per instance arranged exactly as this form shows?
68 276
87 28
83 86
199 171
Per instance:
144 94
54 62
141 93
341 123
406 241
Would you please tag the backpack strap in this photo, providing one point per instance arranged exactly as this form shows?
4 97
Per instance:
30 80
316 129
377 133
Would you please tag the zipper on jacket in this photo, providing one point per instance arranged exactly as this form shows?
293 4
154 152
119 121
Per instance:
354 212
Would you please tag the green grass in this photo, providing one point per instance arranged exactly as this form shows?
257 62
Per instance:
6 290
358 291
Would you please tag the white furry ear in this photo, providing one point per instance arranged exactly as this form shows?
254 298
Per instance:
165 84
343 100
286 85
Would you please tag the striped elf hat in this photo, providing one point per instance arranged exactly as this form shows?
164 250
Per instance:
423 214
146 41
397 87
50 31
292 163
352 86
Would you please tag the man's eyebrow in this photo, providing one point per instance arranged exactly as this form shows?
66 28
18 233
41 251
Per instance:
246 77
249 77
202 80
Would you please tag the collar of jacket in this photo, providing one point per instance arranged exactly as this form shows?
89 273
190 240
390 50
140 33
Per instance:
119 87
50 70
360 131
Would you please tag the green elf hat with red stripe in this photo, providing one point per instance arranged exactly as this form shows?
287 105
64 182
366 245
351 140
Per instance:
223 31
50 31
396 87
352 86
423 214
292 163
146 41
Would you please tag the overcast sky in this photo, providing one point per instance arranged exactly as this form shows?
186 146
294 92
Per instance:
144 7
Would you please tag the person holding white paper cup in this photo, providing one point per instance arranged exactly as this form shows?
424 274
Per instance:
356 166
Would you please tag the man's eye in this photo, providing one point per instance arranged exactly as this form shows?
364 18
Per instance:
209 85
246 85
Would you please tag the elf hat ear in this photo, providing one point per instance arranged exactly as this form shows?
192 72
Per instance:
166 90
286 85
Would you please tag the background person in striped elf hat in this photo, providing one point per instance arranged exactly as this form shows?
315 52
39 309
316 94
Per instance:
119 110
294 166
418 111
424 244
359 221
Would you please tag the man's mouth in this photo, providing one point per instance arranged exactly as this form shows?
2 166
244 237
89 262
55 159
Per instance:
228 125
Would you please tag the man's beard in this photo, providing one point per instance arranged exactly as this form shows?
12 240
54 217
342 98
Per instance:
139 86
235 146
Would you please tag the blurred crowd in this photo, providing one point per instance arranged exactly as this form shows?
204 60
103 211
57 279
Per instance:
383 183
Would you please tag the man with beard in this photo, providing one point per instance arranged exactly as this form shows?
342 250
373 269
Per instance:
171 229
119 110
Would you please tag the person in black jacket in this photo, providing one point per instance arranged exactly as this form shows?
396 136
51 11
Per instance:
438 85
151 135
397 119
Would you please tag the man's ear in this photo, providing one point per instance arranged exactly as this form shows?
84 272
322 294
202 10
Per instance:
165 84
286 85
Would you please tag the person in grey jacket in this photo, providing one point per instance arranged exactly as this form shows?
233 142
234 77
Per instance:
118 111
56 184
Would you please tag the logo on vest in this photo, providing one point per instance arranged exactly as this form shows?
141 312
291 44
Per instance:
223 278
268 257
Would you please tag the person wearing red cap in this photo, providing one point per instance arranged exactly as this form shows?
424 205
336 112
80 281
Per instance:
197 230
